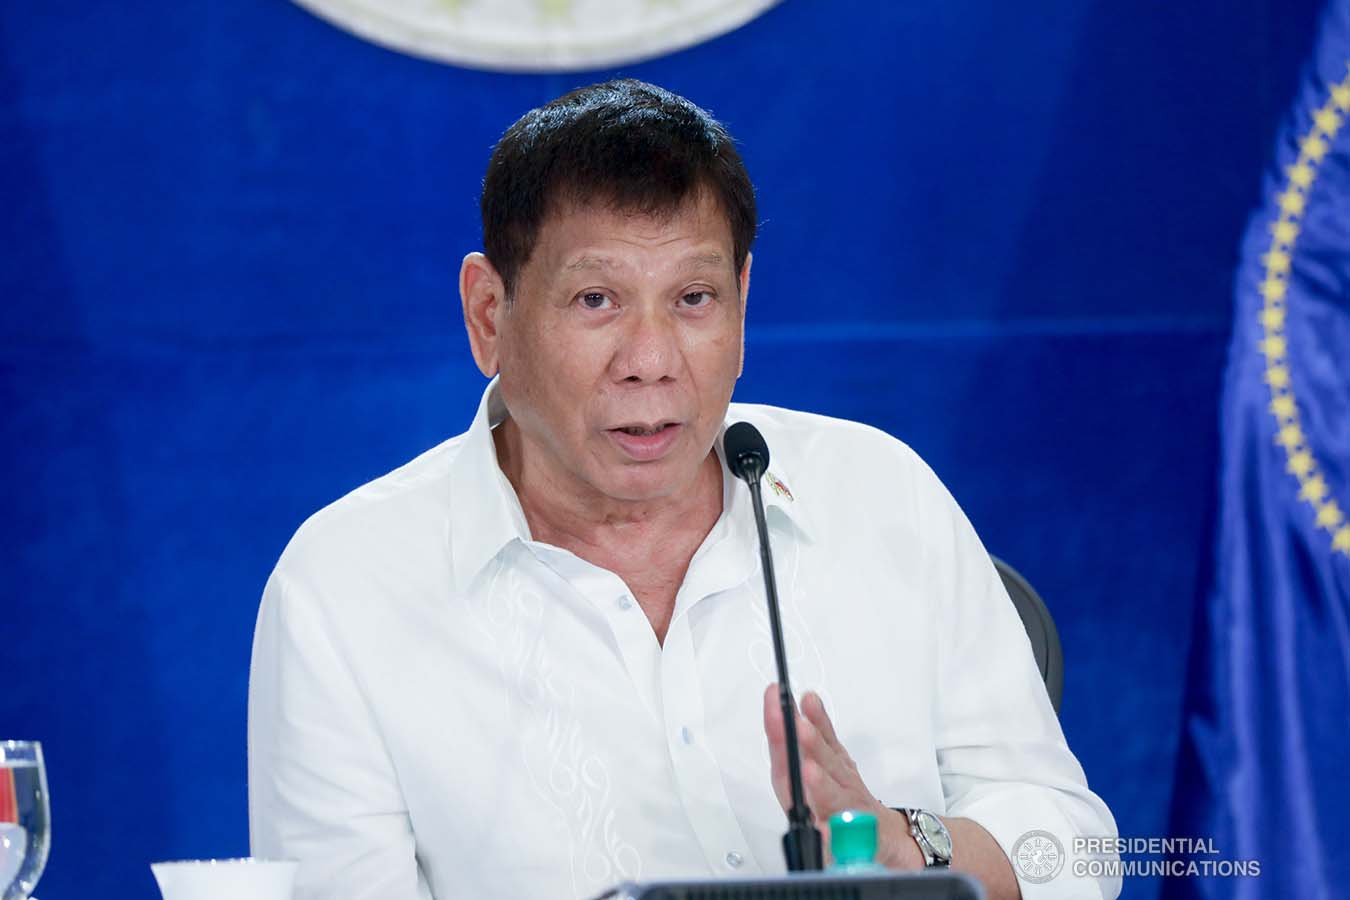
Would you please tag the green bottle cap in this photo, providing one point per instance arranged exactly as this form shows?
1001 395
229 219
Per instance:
853 838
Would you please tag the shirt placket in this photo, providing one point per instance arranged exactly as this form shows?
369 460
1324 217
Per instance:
668 678
721 567
698 777
633 634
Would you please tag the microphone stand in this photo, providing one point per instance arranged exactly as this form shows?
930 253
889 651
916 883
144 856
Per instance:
801 843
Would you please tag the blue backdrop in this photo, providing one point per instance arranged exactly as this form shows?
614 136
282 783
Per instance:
229 239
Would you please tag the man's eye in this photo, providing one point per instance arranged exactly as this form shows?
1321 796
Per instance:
697 298
594 300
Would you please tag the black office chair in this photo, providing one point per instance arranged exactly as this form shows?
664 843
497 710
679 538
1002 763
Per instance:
1040 629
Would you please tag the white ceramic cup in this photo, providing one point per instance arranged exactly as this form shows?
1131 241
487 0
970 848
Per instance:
225 879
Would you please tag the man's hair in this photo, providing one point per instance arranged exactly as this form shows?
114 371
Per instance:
626 144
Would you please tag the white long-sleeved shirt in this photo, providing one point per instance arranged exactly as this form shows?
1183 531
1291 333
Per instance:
441 707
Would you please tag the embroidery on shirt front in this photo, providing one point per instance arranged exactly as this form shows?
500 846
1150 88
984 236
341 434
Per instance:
805 661
563 769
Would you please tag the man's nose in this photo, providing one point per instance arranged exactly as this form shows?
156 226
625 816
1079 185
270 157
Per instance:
649 351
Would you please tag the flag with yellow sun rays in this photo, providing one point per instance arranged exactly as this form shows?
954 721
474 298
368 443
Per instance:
1266 730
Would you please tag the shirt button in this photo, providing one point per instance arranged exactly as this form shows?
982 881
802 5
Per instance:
625 602
734 859
686 735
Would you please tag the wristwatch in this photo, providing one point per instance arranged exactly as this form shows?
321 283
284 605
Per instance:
935 842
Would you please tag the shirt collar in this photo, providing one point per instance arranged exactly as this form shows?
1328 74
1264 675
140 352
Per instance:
487 515
775 487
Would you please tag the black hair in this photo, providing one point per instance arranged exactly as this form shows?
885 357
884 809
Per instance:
629 144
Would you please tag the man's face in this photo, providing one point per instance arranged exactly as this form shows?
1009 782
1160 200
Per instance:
621 349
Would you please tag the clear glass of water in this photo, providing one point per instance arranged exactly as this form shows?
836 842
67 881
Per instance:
25 818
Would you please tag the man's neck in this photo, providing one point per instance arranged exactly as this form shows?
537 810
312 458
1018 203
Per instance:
562 512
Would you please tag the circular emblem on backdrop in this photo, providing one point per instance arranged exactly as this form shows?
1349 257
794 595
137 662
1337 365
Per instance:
1038 856
537 35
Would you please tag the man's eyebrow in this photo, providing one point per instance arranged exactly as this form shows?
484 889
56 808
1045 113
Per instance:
585 263
710 260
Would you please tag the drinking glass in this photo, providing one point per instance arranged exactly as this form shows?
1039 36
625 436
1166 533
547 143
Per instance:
25 818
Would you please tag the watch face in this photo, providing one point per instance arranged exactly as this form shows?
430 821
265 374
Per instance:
936 833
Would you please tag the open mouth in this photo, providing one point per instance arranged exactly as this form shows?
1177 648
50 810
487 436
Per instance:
639 431
646 443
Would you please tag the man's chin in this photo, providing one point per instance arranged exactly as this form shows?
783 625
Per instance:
642 489
642 482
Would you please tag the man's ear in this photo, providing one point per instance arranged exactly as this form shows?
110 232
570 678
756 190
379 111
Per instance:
483 294
745 296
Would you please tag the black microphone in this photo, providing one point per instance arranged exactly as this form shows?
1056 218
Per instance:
748 458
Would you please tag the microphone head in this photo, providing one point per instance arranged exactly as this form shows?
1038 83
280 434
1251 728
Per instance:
746 452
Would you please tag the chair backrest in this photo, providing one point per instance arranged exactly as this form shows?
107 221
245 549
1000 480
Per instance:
1040 629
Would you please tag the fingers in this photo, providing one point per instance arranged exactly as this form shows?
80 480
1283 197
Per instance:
827 769
814 709
773 717
774 731
830 777
815 731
